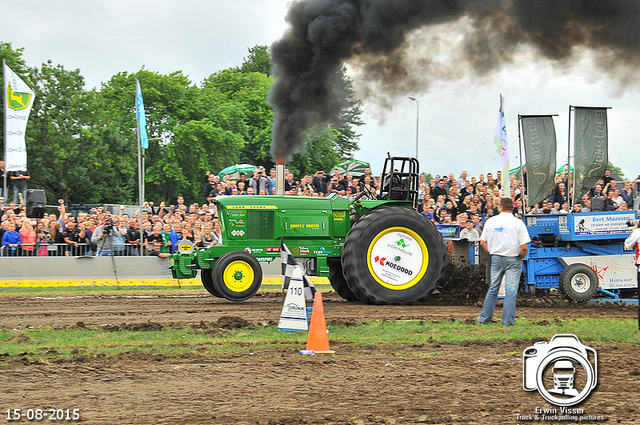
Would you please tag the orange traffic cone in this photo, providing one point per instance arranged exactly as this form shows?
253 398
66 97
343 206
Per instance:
318 340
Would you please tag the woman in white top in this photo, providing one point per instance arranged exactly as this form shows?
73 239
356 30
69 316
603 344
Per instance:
217 233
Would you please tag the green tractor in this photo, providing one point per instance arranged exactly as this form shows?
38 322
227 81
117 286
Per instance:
378 250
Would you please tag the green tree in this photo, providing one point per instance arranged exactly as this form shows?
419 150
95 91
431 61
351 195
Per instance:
244 93
170 101
616 170
258 60
65 150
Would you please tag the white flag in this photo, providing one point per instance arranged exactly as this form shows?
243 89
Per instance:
17 106
500 139
289 264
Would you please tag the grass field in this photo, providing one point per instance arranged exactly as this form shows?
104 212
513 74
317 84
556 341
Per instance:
178 355
49 344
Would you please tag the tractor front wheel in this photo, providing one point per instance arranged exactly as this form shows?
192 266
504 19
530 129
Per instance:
237 276
206 275
393 255
578 282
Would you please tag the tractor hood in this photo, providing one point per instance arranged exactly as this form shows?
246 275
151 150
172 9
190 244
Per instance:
281 202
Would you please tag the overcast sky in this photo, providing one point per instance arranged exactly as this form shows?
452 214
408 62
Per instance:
199 37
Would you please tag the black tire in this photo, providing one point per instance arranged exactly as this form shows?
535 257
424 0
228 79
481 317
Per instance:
237 276
393 255
338 282
578 282
206 276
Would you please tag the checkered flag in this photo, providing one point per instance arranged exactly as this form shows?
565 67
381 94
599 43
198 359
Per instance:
289 264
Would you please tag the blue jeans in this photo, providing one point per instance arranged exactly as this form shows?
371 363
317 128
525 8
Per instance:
510 268
16 199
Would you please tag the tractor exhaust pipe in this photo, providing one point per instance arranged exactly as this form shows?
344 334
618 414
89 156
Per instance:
280 176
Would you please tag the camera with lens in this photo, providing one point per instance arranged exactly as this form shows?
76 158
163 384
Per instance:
108 227
632 222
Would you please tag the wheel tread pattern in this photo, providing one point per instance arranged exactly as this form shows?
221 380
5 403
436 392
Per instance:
218 278
360 234
339 283
565 282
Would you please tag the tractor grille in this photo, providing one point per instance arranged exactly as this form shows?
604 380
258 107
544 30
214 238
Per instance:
260 224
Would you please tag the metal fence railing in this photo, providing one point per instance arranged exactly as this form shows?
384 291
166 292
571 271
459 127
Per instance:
66 250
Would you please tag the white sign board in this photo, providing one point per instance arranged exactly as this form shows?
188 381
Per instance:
613 271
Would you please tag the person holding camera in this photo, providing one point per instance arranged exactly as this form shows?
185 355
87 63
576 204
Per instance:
506 239
259 181
633 243
320 181
103 235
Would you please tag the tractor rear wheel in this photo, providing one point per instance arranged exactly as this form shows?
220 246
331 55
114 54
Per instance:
206 275
393 255
578 282
338 282
237 276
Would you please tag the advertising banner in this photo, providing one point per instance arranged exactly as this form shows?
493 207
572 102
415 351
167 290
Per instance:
17 106
590 143
539 136
595 224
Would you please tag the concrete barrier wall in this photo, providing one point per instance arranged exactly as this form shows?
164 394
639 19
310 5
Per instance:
39 272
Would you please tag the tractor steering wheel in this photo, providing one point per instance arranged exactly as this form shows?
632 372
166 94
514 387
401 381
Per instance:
365 192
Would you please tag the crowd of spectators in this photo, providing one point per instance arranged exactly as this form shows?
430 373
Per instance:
467 201
100 232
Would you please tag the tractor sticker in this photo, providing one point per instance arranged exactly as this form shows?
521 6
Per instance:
339 215
305 226
603 224
237 232
264 259
299 250
253 251
396 258
273 249
613 271
401 242
236 223
323 251
247 250
185 246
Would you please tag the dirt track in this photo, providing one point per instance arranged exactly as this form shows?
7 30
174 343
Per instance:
472 382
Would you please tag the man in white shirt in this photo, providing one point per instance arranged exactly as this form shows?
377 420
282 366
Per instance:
633 243
506 239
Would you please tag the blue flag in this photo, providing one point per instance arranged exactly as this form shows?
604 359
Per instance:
142 120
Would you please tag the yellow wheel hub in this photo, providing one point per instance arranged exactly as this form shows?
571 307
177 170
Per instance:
397 258
238 276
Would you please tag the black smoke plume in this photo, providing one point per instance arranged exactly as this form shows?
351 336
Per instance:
399 47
